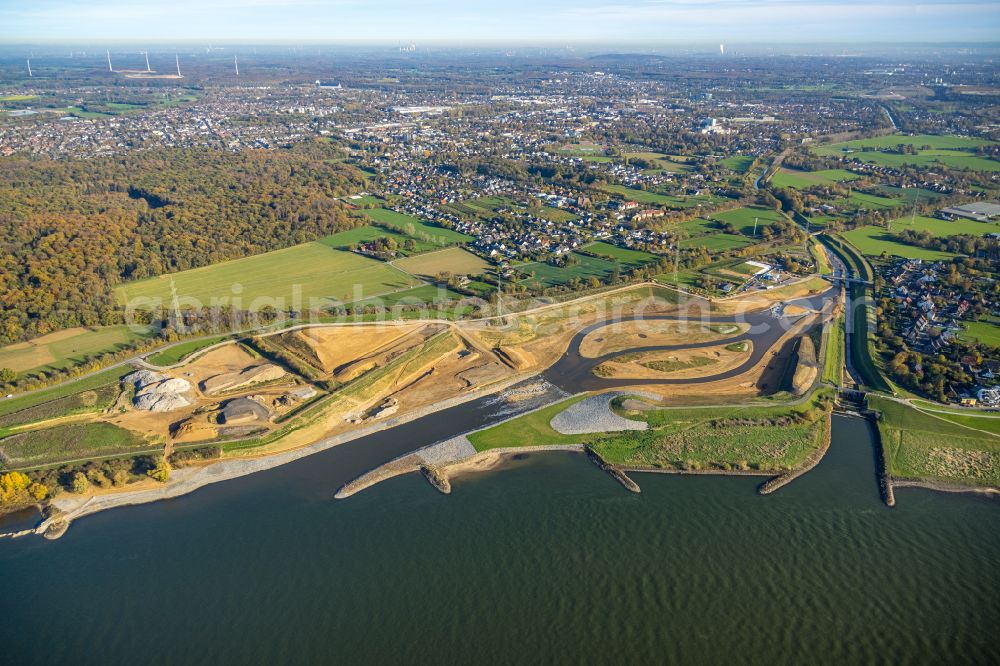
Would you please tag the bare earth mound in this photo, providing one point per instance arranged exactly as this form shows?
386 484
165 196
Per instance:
337 346
675 364
647 333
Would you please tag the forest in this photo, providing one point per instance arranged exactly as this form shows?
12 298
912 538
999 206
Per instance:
71 230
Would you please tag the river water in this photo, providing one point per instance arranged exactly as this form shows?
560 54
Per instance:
545 560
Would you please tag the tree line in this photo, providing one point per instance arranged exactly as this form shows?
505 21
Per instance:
71 230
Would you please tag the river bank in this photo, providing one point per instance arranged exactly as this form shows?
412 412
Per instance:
188 479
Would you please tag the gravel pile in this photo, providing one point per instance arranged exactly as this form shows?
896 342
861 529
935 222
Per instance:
593 414
450 450
158 393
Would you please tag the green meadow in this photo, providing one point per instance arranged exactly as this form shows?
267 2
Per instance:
413 227
743 219
804 179
951 151
321 274
66 348
872 241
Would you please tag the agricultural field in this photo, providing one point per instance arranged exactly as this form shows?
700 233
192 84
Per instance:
873 241
490 204
411 226
865 201
453 260
716 242
365 200
623 255
422 295
744 219
951 151
343 240
692 279
945 227
805 179
738 163
580 149
661 162
584 267
92 400
667 200
68 347
73 441
939 445
318 274
557 215
88 383
909 195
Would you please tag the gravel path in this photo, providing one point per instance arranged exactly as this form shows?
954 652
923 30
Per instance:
594 414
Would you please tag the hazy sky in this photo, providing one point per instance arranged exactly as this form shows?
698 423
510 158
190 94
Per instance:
661 21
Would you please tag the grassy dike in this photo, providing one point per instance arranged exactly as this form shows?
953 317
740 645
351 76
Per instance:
938 447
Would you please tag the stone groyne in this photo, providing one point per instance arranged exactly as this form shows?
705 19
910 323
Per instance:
814 459
881 463
619 476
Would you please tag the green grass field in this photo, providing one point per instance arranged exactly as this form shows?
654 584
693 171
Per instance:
833 364
345 239
531 429
92 400
453 260
944 227
984 332
584 267
909 195
91 382
750 437
945 446
67 348
176 353
667 200
422 295
73 441
863 201
716 242
950 151
413 227
935 142
872 241
738 163
557 214
623 255
320 274
743 218
803 179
